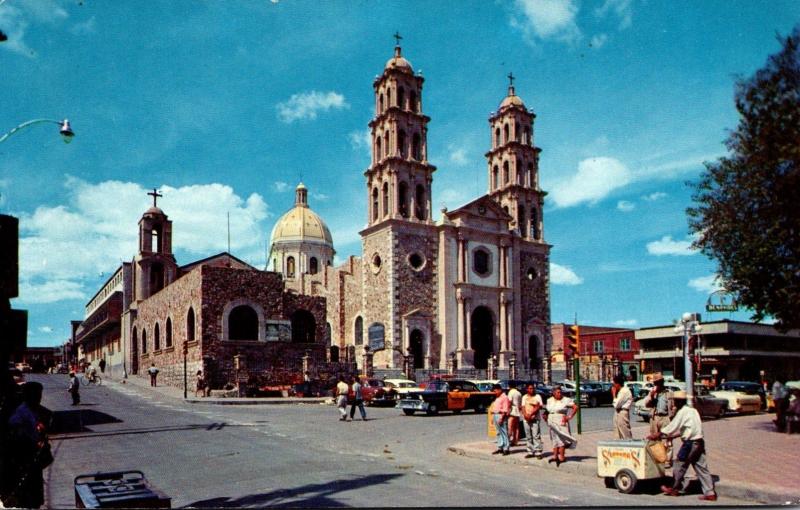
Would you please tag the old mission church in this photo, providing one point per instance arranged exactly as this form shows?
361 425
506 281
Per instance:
464 290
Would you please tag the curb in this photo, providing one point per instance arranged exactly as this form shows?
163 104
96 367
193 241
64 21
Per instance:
735 489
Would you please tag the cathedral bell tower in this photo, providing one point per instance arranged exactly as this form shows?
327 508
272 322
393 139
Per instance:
399 178
154 265
513 166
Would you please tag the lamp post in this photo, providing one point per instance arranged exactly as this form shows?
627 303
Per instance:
65 129
689 326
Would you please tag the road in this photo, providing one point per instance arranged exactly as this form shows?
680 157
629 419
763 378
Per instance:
289 455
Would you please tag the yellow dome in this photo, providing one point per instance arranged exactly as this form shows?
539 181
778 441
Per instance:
512 99
301 223
399 63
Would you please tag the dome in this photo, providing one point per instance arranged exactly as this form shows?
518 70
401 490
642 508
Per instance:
155 210
398 62
301 223
512 99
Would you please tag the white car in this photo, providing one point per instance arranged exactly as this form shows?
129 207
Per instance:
739 402
397 388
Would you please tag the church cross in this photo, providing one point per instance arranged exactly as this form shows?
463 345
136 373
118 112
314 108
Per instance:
510 79
397 37
155 194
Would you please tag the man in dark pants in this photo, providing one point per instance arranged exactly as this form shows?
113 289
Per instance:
74 388
358 400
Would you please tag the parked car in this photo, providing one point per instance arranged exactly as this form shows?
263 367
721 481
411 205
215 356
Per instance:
637 389
446 395
751 388
394 389
568 390
485 384
738 400
373 392
705 403
597 394
542 389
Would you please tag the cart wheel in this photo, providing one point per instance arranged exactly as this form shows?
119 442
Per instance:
609 481
625 481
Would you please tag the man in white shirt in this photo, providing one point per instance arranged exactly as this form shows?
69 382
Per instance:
342 390
622 409
513 420
688 426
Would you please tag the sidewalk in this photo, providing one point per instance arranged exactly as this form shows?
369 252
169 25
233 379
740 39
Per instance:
751 459
143 383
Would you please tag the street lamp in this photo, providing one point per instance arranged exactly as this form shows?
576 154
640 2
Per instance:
65 129
689 326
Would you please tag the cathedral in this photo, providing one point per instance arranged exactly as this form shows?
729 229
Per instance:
465 291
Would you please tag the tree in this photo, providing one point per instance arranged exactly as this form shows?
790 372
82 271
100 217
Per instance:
747 204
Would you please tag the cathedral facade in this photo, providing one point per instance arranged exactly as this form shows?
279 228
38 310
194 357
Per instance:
463 291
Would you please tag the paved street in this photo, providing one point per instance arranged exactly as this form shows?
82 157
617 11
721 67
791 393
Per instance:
206 455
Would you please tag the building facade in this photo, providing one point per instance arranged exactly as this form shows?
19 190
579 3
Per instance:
604 351
469 289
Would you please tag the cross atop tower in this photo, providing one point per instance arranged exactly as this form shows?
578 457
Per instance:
397 37
510 79
155 194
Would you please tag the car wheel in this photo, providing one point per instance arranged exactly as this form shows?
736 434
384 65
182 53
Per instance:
721 413
433 410
480 408
625 481
593 402
408 412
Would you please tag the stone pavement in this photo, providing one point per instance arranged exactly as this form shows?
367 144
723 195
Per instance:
747 457
177 393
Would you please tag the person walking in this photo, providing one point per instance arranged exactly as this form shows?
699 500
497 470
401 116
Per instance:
513 419
660 403
341 398
74 389
622 408
689 427
102 365
531 405
201 384
781 398
501 409
560 410
358 400
23 483
153 371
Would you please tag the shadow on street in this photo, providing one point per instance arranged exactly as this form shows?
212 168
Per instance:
311 495
77 420
75 433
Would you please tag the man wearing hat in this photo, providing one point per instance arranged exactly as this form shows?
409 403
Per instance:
688 426
660 403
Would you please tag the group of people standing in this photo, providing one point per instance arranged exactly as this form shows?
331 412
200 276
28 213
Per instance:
511 409
351 393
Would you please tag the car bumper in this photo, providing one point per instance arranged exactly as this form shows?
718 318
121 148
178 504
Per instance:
414 405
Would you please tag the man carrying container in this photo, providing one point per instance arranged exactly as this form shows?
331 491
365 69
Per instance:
660 403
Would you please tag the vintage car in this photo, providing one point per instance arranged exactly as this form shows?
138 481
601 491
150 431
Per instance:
597 393
705 403
542 389
568 390
394 389
439 395
637 389
485 384
741 398
373 392
751 388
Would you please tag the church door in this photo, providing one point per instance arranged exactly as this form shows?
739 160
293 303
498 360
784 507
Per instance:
533 352
135 353
415 346
482 332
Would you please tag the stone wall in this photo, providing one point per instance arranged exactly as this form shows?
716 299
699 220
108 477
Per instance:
378 292
534 294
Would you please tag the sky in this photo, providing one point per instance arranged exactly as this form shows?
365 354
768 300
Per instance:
224 106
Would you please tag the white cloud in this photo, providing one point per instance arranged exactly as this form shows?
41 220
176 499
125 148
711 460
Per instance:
620 8
667 246
598 41
548 19
563 275
360 140
458 155
85 27
319 196
97 229
16 19
46 329
652 197
625 206
281 187
595 179
705 284
306 105
450 198
626 323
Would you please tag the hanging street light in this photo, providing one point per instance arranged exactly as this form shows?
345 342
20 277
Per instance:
65 129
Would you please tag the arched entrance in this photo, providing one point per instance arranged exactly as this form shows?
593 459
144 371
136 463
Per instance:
533 352
415 347
482 332
303 327
135 352
243 323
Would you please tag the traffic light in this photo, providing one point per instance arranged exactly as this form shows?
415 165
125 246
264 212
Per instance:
574 338
185 347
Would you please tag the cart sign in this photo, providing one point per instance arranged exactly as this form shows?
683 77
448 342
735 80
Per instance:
376 337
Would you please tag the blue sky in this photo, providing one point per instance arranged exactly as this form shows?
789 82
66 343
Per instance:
224 106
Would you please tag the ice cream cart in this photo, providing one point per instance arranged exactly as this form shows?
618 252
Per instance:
624 462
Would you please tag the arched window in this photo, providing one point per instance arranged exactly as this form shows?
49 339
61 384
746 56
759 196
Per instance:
156 278
527 135
385 199
517 132
190 325
375 212
497 141
243 323
420 204
328 333
144 340
416 147
386 144
401 142
378 148
313 265
495 176
135 341
303 327
481 262
505 172
358 332
168 333
534 224
412 101
401 98
530 175
522 221
290 267
157 338
506 134
334 354
380 103
402 199
520 171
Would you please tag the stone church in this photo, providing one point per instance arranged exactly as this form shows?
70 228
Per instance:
464 291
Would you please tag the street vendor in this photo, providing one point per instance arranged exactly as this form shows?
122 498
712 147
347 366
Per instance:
688 426
660 404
